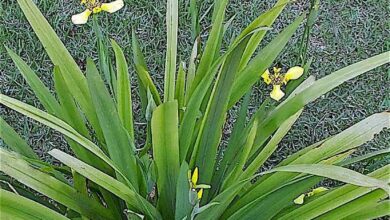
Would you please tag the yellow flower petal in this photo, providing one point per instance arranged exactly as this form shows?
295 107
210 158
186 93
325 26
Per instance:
277 70
293 73
81 18
316 191
97 9
277 93
266 78
195 176
300 199
200 193
112 6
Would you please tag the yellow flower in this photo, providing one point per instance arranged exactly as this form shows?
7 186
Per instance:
277 93
200 194
277 80
95 6
266 77
193 179
301 198
293 73
316 191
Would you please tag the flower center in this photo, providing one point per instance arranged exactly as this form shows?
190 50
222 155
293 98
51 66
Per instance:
92 5
276 77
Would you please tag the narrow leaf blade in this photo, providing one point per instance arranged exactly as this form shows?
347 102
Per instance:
166 155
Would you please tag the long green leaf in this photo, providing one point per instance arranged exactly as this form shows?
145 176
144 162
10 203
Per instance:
206 146
14 206
195 25
265 19
56 124
191 70
235 142
119 144
380 209
172 19
223 200
10 184
191 115
183 205
16 167
166 155
60 56
146 82
335 172
242 156
105 64
212 47
364 157
270 148
262 112
42 92
180 88
14 141
136 202
123 92
233 147
345 141
71 114
335 198
271 203
365 202
350 138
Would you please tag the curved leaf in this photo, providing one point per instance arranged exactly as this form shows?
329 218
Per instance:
25 208
166 155
183 205
41 91
378 210
16 167
56 124
334 172
119 144
271 146
348 139
134 200
123 92
14 141
145 81
336 198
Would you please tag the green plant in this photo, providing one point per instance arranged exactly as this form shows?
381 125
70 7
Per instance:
112 179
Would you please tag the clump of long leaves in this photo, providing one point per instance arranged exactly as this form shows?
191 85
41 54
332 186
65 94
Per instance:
111 178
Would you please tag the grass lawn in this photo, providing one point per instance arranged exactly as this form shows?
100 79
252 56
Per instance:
346 31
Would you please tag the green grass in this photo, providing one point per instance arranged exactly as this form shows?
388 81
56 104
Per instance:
345 32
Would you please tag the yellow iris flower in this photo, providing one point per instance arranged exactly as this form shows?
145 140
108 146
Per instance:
301 198
277 80
193 179
95 6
